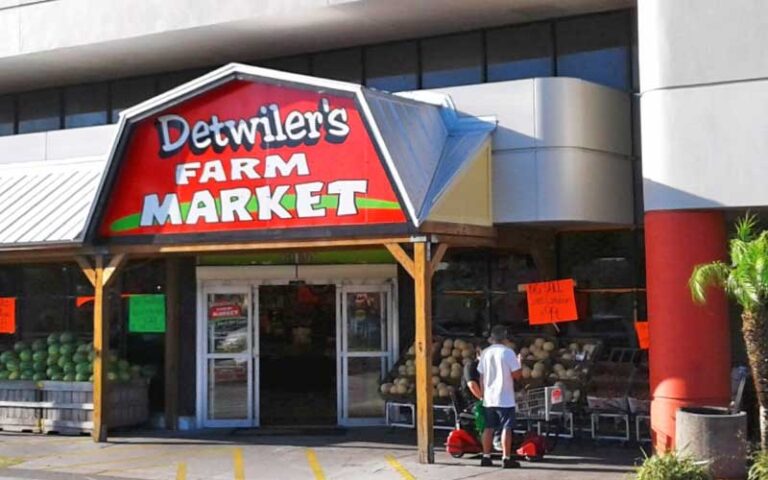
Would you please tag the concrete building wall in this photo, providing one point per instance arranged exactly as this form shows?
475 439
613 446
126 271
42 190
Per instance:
704 87
55 42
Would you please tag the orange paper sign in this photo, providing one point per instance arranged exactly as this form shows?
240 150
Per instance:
8 315
551 302
643 340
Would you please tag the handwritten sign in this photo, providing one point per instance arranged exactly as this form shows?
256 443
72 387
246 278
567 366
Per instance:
8 315
146 314
551 302
643 338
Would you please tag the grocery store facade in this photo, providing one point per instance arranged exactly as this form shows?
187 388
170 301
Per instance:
306 225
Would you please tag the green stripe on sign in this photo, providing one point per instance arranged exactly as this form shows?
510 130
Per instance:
131 222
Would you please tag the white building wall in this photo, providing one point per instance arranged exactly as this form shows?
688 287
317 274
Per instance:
704 87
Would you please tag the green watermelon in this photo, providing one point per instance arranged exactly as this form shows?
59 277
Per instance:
39 356
67 349
82 368
70 377
52 371
52 359
38 377
70 368
25 366
112 376
20 347
54 349
27 375
79 357
53 339
57 377
81 377
7 356
14 375
123 365
90 379
38 345
12 365
25 355
4 375
39 367
67 337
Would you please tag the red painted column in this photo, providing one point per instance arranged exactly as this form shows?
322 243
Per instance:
690 357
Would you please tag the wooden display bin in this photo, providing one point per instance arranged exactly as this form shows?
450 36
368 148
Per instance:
67 407
17 411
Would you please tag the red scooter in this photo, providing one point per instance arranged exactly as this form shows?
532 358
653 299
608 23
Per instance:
533 446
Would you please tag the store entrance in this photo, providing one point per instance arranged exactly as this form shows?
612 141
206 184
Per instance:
297 374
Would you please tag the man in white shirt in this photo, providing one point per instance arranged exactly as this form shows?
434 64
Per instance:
499 367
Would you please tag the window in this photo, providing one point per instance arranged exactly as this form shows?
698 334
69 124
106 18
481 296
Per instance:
85 105
174 79
7 115
288 64
39 111
452 60
392 67
595 48
520 52
345 65
127 93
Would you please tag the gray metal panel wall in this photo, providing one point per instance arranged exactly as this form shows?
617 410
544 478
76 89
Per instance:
561 152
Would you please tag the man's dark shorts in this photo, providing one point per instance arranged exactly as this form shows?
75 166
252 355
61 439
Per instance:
500 418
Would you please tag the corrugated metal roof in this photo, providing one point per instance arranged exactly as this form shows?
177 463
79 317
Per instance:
47 202
413 134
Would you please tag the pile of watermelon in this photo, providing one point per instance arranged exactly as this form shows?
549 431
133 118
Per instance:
62 357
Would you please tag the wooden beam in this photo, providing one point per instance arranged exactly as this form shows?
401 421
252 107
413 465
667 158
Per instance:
198 248
437 258
172 343
87 269
401 256
113 266
101 350
423 360
458 229
465 241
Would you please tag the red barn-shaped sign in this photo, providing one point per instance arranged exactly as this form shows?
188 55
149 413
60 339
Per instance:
245 157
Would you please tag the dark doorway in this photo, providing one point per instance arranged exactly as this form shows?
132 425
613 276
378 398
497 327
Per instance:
297 328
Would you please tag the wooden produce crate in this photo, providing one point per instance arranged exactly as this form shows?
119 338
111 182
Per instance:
18 412
67 407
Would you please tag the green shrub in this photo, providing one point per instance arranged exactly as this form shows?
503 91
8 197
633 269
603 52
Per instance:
671 467
759 469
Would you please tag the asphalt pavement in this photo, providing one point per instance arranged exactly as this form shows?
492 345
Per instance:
358 454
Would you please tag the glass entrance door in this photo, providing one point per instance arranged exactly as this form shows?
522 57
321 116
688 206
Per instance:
365 351
230 352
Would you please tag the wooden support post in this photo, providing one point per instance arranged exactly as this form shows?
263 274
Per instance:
422 280
101 350
100 276
172 344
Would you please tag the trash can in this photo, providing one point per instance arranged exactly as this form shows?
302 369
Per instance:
714 435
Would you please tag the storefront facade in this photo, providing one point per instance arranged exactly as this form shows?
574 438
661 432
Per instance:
293 220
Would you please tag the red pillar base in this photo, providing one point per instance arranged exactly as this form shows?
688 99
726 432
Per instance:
690 356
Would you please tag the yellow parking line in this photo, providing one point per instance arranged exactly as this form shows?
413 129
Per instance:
239 468
205 452
315 465
392 461
181 471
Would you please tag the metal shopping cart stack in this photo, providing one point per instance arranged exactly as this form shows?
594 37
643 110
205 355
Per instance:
541 410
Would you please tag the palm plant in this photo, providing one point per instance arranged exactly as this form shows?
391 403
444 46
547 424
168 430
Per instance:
745 280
